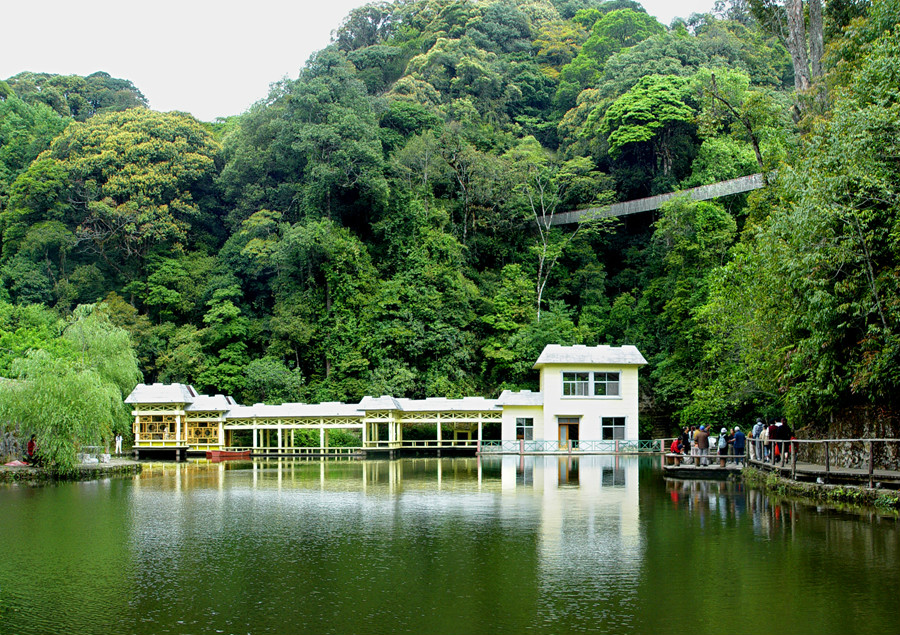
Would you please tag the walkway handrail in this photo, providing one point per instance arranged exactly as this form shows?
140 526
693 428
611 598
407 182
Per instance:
794 446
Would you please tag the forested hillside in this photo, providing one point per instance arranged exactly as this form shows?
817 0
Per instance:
378 224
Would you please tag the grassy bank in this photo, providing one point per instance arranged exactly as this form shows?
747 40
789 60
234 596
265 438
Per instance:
775 484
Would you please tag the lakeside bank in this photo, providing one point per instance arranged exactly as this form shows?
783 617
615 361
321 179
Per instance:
28 475
855 494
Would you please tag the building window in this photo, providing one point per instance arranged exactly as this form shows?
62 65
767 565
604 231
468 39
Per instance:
612 428
590 384
606 384
576 384
525 428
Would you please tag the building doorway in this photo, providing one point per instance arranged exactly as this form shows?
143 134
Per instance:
568 431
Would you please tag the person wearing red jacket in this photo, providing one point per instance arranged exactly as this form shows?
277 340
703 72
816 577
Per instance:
30 450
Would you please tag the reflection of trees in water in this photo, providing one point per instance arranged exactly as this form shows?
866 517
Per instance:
777 518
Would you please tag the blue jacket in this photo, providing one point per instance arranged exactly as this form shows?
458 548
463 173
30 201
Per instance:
739 440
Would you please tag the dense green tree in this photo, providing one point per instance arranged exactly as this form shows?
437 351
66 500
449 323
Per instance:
325 287
125 184
75 96
70 393
369 25
425 308
312 149
557 44
26 130
611 33
502 28
653 119
383 210
808 306
269 380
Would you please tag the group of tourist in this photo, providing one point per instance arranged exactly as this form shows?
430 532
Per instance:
730 445
769 443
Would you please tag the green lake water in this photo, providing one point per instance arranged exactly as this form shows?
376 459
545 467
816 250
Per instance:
594 544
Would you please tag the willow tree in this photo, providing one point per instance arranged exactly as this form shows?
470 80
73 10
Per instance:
71 394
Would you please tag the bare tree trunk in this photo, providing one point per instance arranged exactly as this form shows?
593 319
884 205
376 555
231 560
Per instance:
817 50
796 43
328 311
816 38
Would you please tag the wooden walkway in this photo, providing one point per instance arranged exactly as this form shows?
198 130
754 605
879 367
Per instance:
798 467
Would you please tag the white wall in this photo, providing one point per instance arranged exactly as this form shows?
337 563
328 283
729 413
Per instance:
589 409
511 413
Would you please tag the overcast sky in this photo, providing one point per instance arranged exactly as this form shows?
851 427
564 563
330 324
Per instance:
208 58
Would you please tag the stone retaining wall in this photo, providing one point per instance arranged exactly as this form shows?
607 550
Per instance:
860 422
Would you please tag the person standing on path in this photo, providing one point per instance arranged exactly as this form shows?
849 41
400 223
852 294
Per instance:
118 443
774 452
740 440
756 448
702 439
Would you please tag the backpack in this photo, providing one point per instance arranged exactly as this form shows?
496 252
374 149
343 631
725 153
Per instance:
722 443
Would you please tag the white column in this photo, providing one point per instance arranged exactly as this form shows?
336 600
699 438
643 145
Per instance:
255 438
279 440
439 429
321 438
178 429
479 442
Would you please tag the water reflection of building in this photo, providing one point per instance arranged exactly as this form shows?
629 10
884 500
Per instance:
332 474
588 526
599 485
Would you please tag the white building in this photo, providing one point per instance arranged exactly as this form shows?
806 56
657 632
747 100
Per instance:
587 394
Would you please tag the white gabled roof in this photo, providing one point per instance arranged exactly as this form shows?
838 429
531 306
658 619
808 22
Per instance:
521 398
384 402
215 403
579 354
162 393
